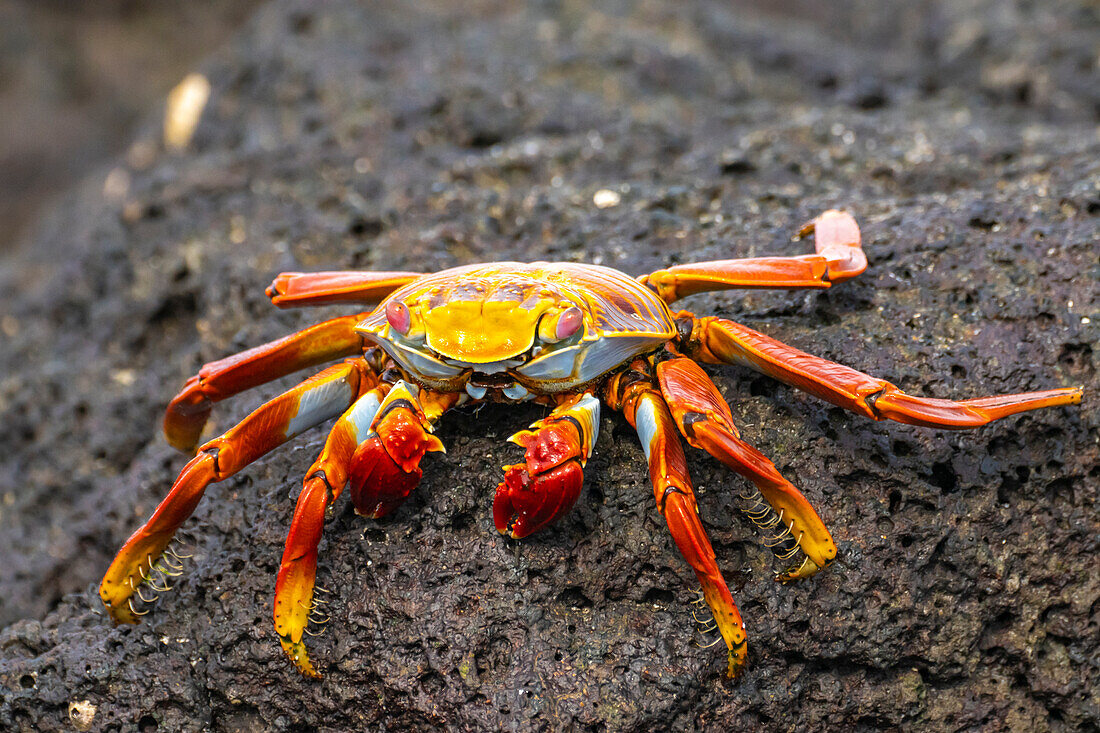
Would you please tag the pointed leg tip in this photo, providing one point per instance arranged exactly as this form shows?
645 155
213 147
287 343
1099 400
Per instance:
119 611
307 670
807 569
296 653
825 217
183 444
123 616
118 599
735 664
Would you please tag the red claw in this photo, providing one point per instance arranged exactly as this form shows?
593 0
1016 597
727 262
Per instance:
535 493
377 484
405 438
547 447
386 467
524 505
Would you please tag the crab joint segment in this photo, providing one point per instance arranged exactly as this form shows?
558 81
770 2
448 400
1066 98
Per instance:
839 257
314 401
385 467
704 420
645 409
717 340
537 492
188 411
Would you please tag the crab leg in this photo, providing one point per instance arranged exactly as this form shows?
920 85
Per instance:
317 399
645 409
218 380
385 466
293 289
717 340
839 257
546 485
704 420
323 484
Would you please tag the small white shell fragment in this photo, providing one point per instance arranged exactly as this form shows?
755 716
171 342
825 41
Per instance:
605 198
185 105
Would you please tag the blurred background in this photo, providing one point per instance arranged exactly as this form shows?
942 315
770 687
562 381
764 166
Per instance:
76 77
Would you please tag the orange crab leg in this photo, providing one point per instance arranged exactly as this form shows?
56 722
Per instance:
317 399
704 420
293 289
188 411
717 340
839 257
353 445
546 485
645 409
323 484
298 573
385 466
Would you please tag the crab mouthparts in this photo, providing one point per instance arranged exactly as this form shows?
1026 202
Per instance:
491 381
478 385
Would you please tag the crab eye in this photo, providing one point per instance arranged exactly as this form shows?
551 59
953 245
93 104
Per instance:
567 323
397 314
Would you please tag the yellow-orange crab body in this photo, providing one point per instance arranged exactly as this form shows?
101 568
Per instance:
568 336
490 329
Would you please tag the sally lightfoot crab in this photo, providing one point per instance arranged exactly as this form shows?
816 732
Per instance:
564 335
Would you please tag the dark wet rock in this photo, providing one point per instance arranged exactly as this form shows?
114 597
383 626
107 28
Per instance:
349 135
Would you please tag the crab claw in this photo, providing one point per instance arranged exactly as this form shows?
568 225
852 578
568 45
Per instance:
378 484
543 488
524 505
386 466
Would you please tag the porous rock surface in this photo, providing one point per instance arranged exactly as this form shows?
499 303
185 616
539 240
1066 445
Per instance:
963 136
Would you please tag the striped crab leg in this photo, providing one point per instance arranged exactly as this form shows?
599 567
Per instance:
546 485
704 419
717 341
188 411
645 409
838 257
383 411
319 398
323 484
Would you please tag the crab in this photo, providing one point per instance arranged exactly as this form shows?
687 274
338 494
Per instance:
564 335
